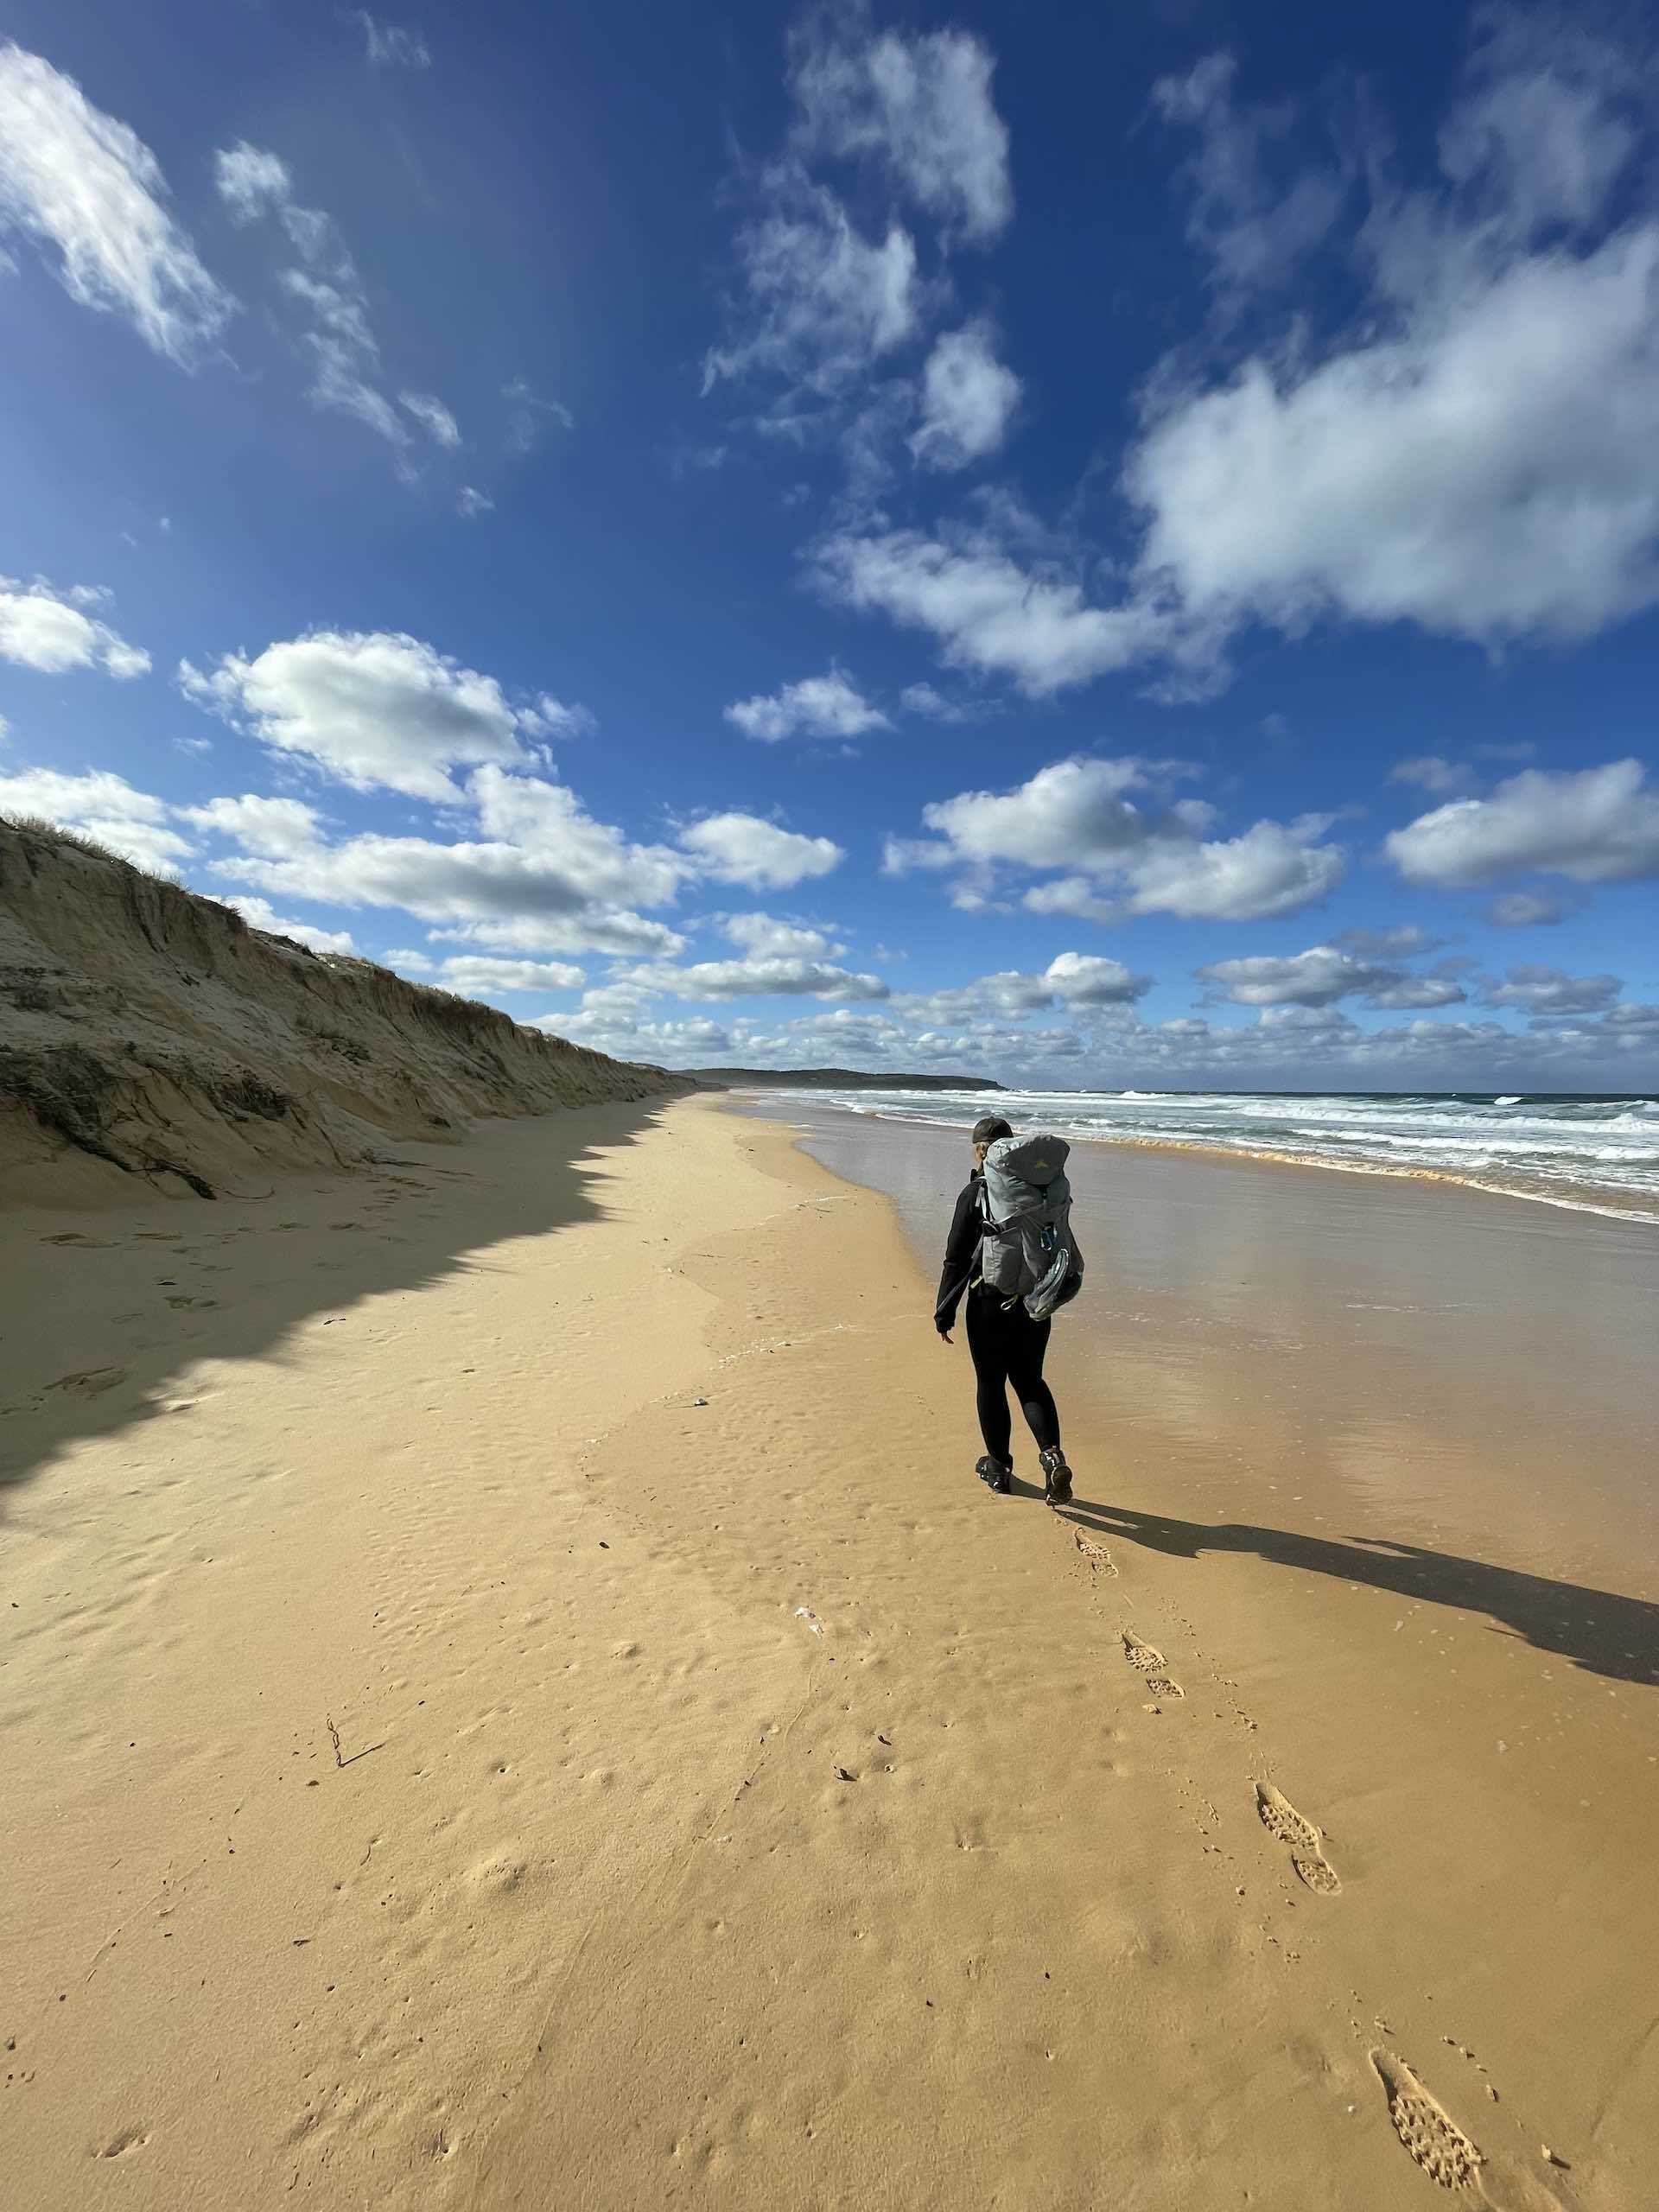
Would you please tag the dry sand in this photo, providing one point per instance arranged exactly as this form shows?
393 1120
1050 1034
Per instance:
513 1698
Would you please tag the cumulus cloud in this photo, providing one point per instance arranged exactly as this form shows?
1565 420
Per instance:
260 914
1118 854
1594 825
82 185
369 708
818 705
99 805
779 976
968 399
1541 992
1494 403
476 975
737 848
543 876
988 609
919 108
275 829
1321 977
764 937
1082 982
1475 452
53 631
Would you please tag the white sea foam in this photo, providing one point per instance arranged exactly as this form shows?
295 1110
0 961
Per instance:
1599 1154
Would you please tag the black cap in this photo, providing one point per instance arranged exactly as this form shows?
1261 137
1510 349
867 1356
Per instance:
989 1127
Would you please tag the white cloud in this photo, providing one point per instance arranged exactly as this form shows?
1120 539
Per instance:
737 848
818 705
923 699
470 502
597 928
777 977
100 805
255 184
275 829
259 915
1518 910
1253 231
1475 452
1084 979
433 417
765 938
371 708
824 302
1322 975
551 717
1479 453
524 407
1430 773
1541 992
251 181
921 109
76 180
51 632
1398 942
393 45
1076 816
1271 869
968 397
1079 982
474 974
987 610
1595 825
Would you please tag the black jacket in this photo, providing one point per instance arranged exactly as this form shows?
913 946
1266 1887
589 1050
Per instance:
960 1253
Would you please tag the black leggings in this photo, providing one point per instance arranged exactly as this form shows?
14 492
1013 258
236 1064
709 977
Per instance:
1008 1346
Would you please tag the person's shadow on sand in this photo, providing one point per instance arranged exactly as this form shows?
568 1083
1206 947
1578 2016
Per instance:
1596 1629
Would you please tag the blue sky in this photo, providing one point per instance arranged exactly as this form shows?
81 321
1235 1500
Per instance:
1116 548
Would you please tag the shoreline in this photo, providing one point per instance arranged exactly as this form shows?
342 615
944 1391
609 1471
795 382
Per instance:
737 1805
1601 1203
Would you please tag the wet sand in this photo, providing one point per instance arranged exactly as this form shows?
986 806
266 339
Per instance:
513 1698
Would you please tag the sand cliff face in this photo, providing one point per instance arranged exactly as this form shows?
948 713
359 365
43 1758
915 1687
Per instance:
148 1039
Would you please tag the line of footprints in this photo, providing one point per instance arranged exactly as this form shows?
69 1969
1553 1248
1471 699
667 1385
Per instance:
1279 1816
1430 2135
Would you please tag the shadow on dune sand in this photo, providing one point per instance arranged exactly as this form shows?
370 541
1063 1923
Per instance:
107 1308
1609 1635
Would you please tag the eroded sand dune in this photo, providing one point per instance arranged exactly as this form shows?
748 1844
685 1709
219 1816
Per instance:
149 1034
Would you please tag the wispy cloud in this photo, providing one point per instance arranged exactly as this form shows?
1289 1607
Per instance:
82 184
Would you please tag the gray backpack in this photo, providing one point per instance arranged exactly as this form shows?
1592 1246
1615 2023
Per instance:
1028 1251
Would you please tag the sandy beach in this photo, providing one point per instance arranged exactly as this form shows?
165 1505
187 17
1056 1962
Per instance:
513 1697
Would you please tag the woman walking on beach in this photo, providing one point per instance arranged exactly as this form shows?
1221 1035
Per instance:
1006 1344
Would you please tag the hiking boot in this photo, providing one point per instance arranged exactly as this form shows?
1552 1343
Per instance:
1057 1477
996 1474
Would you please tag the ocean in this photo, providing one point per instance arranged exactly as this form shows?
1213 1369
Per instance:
1599 1154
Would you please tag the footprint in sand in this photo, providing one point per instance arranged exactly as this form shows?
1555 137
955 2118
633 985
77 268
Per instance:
128 2138
1286 1825
1427 2130
1150 1661
1099 1558
191 1305
92 1382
